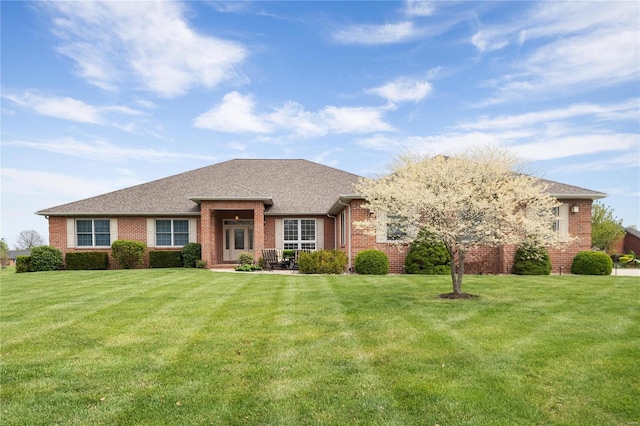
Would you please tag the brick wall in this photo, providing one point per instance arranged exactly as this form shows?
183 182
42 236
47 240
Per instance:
485 260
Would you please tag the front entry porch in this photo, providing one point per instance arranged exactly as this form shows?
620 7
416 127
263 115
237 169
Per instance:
229 228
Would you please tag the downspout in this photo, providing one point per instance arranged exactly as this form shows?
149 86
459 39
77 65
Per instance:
348 206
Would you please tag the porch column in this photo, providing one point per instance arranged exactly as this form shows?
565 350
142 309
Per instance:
206 233
258 230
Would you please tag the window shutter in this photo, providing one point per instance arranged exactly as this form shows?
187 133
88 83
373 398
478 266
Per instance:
113 229
193 231
71 233
381 227
563 220
320 234
279 236
151 232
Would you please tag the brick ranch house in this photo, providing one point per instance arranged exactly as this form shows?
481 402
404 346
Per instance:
250 204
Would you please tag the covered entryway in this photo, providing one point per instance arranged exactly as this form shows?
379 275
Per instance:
237 237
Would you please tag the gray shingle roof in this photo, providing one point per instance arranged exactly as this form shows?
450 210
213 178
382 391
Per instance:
291 186
562 190
285 186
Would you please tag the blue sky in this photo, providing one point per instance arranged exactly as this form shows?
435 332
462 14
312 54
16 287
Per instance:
101 96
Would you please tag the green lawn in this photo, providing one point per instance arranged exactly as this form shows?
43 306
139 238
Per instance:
196 347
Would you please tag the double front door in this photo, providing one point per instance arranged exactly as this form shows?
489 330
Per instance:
237 237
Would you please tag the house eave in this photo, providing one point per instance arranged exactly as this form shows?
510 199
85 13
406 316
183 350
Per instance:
342 200
268 201
594 196
108 214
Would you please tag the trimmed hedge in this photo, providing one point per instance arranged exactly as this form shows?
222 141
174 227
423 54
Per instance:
191 254
323 262
532 258
592 263
372 262
23 264
128 254
45 258
165 259
88 260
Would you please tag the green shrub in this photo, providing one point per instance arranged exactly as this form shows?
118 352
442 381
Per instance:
201 264
165 259
245 258
428 256
128 254
323 262
22 264
592 263
191 254
372 262
247 268
45 258
87 260
532 258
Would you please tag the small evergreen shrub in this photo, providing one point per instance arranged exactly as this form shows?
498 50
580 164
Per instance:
128 254
201 264
532 258
245 258
86 260
165 259
427 255
323 262
45 258
247 268
592 263
22 264
372 262
191 254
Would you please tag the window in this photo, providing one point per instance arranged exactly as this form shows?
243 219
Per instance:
299 234
93 233
396 228
392 228
561 224
172 232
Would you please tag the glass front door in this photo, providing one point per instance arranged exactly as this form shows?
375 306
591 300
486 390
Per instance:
237 238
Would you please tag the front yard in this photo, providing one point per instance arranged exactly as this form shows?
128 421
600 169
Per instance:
186 346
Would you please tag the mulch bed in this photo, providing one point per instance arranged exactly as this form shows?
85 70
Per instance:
458 296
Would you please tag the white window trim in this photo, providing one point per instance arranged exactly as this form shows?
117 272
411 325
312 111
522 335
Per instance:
151 231
299 241
561 224
72 232
382 230
279 228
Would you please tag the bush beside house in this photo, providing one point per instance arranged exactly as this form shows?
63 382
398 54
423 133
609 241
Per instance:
532 258
86 260
372 262
323 262
128 254
592 263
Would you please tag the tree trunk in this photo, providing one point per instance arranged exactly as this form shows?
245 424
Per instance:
457 270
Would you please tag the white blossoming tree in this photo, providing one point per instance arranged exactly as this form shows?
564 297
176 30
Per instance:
478 198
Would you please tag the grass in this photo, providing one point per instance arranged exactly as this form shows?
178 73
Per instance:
196 347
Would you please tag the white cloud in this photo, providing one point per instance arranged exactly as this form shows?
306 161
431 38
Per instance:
623 111
235 114
103 151
620 162
399 32
59 107
566 45
525 145
418 8
32 182
151 41
403 89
